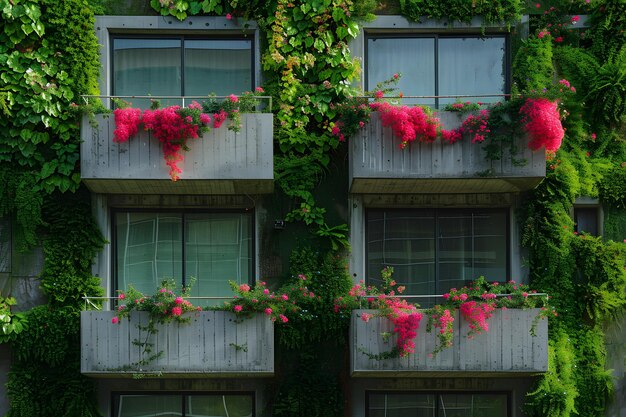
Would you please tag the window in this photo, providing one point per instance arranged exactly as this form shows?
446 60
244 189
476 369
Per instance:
586 219
185 405
437 404
433 250
439 66
210 247
181 66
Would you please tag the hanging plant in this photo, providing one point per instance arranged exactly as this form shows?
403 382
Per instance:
542 121
172 126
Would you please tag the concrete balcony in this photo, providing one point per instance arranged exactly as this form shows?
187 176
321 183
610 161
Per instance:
378 165
220 162
213 343
507 349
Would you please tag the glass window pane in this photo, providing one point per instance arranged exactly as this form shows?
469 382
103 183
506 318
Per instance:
149 406
221 67
147 67
219 406
471 66
469 243
413 57
148 249
218 249
473 405
401 405
404 240
586 220
490 245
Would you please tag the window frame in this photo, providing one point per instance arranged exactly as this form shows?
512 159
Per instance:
437 35
437 212
437 395
115 397
183 212
182 38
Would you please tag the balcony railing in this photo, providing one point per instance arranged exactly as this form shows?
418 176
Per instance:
219 162
507 349
378 165
213 343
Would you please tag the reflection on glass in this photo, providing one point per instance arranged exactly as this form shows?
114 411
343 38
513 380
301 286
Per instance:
432 251
218 247
413 57
442 66
144 67
470 66
219 406
221 67
150 405
414 404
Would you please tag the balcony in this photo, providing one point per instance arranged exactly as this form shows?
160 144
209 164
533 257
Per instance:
507 349
213 343
378 165
221 162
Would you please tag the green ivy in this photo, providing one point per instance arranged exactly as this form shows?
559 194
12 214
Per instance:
495 12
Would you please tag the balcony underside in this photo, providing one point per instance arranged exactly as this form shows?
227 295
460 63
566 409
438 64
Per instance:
442 185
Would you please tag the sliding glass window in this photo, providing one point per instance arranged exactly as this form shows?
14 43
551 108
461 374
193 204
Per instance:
181 66
206 249
415 404
439 66
433 250
183 405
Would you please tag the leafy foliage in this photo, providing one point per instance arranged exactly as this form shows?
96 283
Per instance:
501 11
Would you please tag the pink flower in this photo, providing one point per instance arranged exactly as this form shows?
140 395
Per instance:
233 98
244 288
446 296
395 76
268 311
379 94
114 320
524 294
284 297
229 16
283 318
575 19
538 5
178 300
463 297
266 291
177 311
366 317
237 308
559 39
259 90
205 119
162 290
121 296
361 124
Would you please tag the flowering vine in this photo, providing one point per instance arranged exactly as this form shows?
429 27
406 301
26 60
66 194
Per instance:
172 126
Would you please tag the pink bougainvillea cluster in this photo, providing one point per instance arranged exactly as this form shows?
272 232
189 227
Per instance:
477 314
542 121
408 123
171 126
475 125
